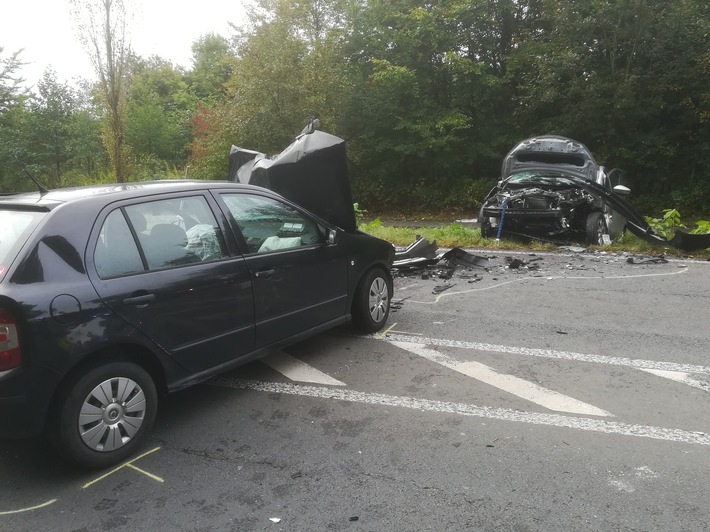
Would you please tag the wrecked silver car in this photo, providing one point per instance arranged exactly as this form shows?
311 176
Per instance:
551 188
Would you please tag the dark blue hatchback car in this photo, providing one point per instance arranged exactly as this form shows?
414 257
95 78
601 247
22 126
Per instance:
111 295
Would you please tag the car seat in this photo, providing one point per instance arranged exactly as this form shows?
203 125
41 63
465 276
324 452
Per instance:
167 247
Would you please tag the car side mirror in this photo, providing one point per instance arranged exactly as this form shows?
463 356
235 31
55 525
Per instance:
332 237
615 175
621 190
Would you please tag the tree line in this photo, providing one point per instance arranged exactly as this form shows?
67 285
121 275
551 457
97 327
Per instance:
429 95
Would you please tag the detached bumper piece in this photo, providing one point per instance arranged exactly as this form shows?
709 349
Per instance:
422 253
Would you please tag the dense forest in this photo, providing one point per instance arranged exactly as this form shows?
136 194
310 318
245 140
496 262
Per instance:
429 95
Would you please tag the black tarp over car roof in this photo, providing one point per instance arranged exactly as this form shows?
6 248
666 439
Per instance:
311 172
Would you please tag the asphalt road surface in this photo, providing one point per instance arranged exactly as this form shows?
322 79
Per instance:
570 393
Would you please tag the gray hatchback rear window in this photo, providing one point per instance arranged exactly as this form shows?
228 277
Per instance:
15 228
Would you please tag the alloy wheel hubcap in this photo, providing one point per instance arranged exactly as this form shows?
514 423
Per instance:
111 414
378 299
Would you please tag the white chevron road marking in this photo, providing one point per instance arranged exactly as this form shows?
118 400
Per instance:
519 387
298 371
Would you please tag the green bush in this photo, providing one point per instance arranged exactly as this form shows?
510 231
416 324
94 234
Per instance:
434 194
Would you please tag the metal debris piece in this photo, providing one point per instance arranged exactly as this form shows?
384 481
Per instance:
574 249
651 260
419 249
468 275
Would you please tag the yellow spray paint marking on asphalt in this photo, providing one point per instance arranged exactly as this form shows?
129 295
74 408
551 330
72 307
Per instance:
10 512
151 475
382 335
127 464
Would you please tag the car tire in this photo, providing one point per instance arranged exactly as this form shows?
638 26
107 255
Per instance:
104 414
596 227
486 231
371 304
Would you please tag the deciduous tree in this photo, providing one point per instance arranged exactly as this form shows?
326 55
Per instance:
103 29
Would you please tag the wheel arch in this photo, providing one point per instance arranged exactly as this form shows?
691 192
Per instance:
126 352
376 266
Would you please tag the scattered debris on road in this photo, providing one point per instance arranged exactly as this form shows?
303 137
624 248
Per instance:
446 268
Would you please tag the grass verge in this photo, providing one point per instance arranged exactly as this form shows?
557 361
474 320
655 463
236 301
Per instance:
457 235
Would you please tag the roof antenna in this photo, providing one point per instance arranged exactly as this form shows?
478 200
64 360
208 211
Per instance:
40 187
42 190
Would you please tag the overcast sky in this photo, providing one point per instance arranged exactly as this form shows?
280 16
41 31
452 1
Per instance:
46 32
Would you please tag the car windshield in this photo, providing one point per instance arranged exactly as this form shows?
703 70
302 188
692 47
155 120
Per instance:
15 228
541 178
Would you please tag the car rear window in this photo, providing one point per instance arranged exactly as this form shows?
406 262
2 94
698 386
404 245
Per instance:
15 228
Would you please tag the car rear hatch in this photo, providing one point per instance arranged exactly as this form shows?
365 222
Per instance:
16 226
550 153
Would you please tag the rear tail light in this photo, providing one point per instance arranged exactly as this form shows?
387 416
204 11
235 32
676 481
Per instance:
10 356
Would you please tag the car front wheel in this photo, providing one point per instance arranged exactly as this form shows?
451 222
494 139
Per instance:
371 305
104 414
596 228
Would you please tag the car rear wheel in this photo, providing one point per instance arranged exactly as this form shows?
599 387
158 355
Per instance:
596 228
371 305
104 414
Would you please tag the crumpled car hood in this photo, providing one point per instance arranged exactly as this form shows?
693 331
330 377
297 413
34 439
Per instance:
550 153
312 172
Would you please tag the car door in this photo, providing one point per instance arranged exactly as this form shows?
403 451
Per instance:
164 266
300 281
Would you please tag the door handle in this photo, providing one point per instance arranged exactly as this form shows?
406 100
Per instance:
266 274
139 301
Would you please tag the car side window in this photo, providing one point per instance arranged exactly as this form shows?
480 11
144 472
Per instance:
170 232
116 251
177 231
270 225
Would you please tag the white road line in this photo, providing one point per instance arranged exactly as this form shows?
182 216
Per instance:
463 409
508 383
549 353
298 371
681 377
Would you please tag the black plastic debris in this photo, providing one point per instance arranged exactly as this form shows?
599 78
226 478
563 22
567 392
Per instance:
514 264
441 288
397 304
459 257
445 273
422 255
